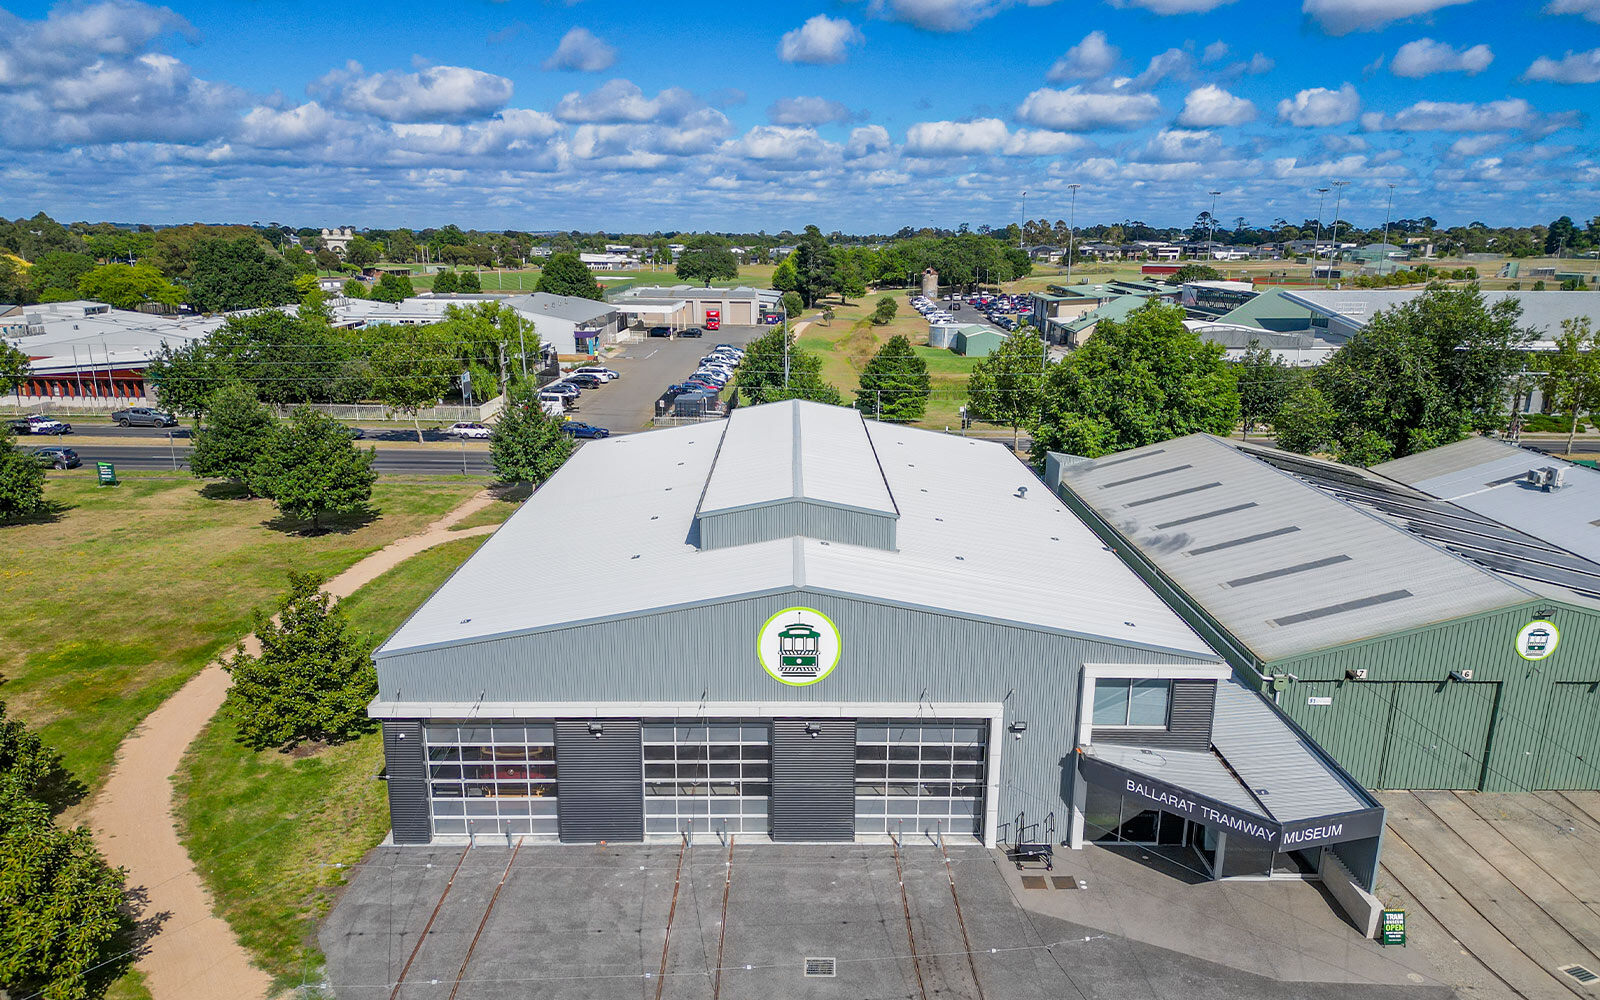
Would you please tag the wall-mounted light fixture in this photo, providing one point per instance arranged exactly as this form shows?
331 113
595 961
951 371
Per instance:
1545 613
596 729
1461 675
813 729
1017 729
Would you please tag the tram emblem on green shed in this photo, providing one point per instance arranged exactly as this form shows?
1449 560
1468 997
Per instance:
798 646
1537 640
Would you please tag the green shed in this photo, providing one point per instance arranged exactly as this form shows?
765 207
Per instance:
974 340
1423 642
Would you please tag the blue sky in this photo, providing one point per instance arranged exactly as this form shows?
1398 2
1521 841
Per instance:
860 116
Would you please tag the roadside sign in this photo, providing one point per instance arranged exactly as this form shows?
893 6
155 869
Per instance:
107 473
1393 928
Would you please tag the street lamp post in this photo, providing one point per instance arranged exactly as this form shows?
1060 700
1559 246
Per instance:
1024 219
1387 215
1337 202
1072 226
1316 245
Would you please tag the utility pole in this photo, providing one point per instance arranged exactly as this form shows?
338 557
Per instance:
503 378
1316 245
1211 224
522 342
1334 253
1024 219
786 347
1387 215
1072 225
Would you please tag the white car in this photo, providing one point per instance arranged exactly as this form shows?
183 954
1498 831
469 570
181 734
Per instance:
604 374
468 430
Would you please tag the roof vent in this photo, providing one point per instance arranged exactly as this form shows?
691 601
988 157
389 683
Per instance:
821 968
1578 972
1022 493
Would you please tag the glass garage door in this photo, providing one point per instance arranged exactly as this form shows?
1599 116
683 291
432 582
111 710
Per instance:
706 777
916 777
492 779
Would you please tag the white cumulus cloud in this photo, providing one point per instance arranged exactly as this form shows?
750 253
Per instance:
298 126
868 139
807 111
1077 110
1574 67
1092 57
1210 105
1425 57
1340 17
431 94
1512 114
621 101
1173 6
1586 8
580 49
982 136
1319 107
1476 145
945 15
1176 145
822 40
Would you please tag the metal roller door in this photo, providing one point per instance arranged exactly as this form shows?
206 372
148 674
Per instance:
1569 745
813 779
601 763
1439 734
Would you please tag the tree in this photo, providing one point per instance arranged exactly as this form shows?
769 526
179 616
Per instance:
128 286
1305 420
894 384
565 274
412 370
54 276
827 315
1005 386
232 443
355 288
242 273
528 445
784 277
1195 272
61 906
312 679
815 267
361 252
467 283
15 367
708 264
21 481
327 260
311 468
774 368
1146 379
444 283
793 304
393 288
1572 379
1562 235
885 310
1262 378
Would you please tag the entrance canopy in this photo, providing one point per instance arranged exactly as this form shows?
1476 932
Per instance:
1261 779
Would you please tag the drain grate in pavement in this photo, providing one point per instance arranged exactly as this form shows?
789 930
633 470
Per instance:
1034 882
1064 881
1581 974
821 968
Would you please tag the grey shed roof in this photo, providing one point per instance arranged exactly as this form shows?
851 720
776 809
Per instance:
1487 477
567 307
1284 566
1542 311
617 520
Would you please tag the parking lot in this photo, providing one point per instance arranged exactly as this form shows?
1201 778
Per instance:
648 366
592 923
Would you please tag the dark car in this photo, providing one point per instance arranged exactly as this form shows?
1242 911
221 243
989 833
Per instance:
579 429
693 331
661 331
57 457
564 387
143 416
40 424
586 381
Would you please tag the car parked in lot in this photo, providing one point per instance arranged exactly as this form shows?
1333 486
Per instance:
564 388
40 424
690 331
57 457
548 400
579 429
584 381
143 416
469 429
606 374
661 331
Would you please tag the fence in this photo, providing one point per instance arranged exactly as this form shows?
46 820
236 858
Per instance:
379 412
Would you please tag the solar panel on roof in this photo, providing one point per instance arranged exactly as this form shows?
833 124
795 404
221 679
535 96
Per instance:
1169 496
1246 540
1532 571
1206 516
1129 458
1273 574
1335 609
1510 547
1147 475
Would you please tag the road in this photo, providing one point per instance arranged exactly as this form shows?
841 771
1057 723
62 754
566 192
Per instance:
391 461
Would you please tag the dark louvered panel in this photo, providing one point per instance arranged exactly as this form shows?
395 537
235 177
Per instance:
1188 720
406 767
600 774
813 779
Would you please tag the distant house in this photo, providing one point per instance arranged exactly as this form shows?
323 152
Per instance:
609 261
338 240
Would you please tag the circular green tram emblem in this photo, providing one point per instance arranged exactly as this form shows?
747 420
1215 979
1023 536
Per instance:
1538 639
798 646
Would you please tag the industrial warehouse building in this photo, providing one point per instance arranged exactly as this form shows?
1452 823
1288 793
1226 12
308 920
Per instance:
806 627
1433 622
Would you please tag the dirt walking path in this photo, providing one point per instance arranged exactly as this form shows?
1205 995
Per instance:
193 954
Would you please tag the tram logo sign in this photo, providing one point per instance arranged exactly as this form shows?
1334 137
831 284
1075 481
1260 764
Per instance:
1537 640
798 646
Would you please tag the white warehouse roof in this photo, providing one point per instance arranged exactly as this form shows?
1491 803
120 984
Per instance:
968 542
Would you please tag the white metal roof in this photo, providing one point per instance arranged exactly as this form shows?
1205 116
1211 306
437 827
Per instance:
1542 312
796 450
72 340
1199 771
1282 767
608 536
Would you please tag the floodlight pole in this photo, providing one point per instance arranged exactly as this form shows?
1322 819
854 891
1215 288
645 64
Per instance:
1387 215
1072 225
1337 201
1024 220
1211 224
1322 193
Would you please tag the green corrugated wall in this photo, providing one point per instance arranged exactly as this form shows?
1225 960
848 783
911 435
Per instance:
1516 725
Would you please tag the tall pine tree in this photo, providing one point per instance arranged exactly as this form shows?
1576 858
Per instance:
894 384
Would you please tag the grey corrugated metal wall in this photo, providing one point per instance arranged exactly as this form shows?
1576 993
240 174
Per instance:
813 779
599 780
1188 721
797 517
890 654
406 766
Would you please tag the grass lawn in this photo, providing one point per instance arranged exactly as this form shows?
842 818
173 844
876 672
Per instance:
128 592
268 829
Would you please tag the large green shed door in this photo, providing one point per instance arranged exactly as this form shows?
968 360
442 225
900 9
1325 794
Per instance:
1349 719
1438 734
1569 743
